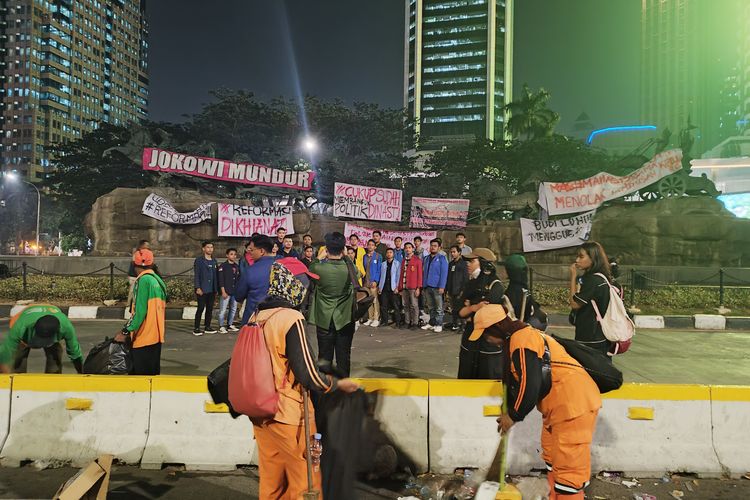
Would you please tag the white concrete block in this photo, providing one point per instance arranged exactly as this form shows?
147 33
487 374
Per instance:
82 312
644 321
710 321
189 312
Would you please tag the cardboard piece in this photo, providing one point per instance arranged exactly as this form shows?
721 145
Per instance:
90 483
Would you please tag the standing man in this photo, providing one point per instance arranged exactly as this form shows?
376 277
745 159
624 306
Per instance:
418 250
287 249
458 275
398 251
358 251
307 241
410 282
146 326
331 308
206 282
253 285
307 256
372 262
435 275
132 275
229 275
461 243
280 235
40 326
380 247
388 289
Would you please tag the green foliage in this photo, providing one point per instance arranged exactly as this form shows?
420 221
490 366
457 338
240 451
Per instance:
73 242
529 116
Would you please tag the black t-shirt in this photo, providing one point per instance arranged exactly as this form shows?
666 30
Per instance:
485 288
387 285
593 288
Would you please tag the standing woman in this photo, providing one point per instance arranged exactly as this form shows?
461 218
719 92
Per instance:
591 287
479 360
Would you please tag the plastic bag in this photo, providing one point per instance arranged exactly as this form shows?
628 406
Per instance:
109 358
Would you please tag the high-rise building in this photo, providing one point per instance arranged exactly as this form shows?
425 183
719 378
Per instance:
66 66
458 67
688 56
743 66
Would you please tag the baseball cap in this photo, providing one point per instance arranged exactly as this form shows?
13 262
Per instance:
46 329
481 253
143 257
485 318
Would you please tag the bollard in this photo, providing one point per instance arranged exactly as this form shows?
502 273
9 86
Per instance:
531 281
25 285
721 287
632 287
111 280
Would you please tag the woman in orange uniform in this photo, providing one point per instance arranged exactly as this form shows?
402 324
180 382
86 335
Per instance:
540 373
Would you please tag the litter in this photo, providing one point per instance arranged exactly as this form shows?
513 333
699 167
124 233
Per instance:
643 496
630 484
689 487
677 494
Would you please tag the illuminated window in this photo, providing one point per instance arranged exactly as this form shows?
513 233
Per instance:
448 119
459 29
453 67
452 5
453 17
453 93
455 55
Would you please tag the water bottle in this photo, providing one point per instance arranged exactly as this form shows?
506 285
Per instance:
469 488
316 450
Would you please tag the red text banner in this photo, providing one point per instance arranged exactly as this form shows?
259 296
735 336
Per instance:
438 212
365 234
366 202
240 221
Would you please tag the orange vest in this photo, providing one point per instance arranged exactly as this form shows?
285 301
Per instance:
573 392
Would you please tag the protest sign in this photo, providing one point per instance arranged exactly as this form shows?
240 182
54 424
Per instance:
587 194
438 212
240 221
365 202
561 233
159 208
365 233
160 160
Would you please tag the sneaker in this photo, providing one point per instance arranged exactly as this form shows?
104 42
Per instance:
197 332
223 330
210 330
233 328
438 329
454 328
427 327
375 323
368 322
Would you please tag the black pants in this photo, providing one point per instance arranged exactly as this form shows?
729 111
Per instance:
331 341
390 300
205 301
147 360
53 354
456 306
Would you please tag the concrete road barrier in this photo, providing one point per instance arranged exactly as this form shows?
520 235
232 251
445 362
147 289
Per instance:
644 321
730 421
186 427
709 321
5 395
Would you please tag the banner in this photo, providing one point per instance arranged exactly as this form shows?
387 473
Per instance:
438 212
365 233
561 233
587 194
160 160
365 202
159 208
241 221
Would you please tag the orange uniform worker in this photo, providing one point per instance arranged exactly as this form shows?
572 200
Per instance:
543 374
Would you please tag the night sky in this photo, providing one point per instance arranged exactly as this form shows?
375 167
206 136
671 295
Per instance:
585 52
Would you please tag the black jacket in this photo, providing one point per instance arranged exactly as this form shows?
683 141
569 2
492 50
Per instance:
458 275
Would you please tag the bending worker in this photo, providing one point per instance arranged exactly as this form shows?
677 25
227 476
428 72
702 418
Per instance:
541 373
40 326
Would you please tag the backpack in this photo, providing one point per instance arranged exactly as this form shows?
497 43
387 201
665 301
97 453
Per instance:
597 365
252 388
616 324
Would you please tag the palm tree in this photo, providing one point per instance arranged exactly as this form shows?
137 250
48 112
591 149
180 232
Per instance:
529 116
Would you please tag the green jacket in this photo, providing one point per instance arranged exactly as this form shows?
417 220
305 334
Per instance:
332 300
22 330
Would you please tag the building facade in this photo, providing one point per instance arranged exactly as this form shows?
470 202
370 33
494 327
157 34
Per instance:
458 68
66 66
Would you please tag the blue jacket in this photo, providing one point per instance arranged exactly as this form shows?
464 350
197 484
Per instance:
205 275
395 274
435 274
253 285
374 262
398 254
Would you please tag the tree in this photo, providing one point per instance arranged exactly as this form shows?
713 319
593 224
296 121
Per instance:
529 116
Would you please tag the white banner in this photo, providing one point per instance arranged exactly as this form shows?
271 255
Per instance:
587 194
241 221
365 202
439 212
365 234
561 233
159 208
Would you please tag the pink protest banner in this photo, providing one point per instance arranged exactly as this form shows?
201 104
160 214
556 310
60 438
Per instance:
159 160
240 221
366 202
365 233
438 212
587 194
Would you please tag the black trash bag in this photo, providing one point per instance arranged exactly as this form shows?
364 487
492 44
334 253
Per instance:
109 358
218 386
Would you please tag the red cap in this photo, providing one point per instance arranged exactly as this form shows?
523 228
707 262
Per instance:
143 257
296 267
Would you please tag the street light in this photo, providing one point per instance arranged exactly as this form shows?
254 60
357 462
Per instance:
13 176
309 144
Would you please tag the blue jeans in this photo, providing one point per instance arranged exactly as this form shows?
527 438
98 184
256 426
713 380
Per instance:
231 302
433 302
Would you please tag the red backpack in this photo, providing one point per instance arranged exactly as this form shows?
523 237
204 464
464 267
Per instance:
252 389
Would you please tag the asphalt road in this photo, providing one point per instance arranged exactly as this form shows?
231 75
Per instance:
657 356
